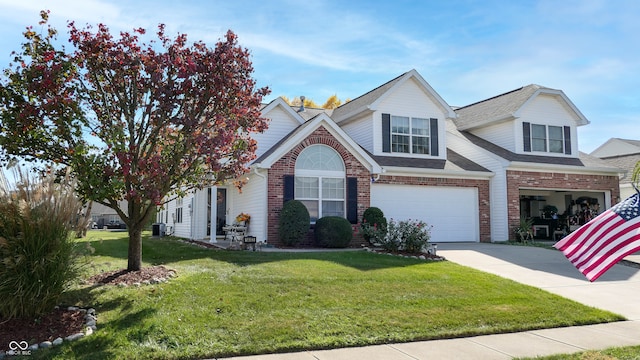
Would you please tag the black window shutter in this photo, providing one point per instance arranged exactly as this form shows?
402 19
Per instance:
567 140
289 186
386 133
526 136
433 128
352 200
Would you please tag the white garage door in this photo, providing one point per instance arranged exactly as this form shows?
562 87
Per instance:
453 211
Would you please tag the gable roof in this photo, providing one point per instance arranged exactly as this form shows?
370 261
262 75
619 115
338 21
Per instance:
283 104
288 142
617 147
507 106
368 102
625 162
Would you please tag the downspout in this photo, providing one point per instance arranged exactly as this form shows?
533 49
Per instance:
191 217
265 201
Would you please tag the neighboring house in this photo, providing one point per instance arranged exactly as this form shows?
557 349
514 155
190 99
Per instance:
624 154
103 215
471 173
4 185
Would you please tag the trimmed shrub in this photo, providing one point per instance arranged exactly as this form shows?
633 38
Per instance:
38 257
374 225
294 223
333 232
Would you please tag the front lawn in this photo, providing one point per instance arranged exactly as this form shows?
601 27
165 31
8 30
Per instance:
227 303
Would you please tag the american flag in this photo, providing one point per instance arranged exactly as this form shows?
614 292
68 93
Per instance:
602 242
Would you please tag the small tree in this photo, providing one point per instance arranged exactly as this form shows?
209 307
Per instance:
135 121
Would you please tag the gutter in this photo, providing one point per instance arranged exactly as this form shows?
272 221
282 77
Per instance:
403 171
538 167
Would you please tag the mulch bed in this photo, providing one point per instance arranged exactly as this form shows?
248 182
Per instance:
48 327
62 322
402 253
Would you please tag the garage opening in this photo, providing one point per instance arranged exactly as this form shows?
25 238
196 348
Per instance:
556 213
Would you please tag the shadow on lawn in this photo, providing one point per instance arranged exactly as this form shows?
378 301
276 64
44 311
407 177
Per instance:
160 251
102 345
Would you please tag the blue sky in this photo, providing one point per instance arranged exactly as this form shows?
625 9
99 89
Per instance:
467 50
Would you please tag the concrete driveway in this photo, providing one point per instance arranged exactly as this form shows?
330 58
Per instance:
618 290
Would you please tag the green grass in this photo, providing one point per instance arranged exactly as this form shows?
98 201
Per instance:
614 353
227 303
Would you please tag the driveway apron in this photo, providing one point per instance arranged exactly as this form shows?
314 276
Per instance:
618 290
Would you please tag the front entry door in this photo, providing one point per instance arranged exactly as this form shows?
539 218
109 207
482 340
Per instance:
221 210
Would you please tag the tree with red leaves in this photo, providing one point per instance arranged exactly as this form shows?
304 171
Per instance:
135 121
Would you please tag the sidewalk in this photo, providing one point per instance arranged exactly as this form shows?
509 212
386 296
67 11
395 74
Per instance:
616 291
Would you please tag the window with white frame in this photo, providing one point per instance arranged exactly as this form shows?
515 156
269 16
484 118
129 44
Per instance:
547 138
178 218
320 181
556 139
410 135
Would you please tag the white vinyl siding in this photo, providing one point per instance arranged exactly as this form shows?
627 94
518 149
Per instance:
497 182
362 132
502 134
547 111
253 201
409 99
281 123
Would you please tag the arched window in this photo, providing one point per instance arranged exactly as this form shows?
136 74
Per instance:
320 181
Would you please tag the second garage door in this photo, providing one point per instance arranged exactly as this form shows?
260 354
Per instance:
453 211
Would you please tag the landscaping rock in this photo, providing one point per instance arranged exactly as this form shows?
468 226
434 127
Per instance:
57 342
74 337
45 344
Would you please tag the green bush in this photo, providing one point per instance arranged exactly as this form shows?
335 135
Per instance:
37 251
333 232
374 225
411 236
294 223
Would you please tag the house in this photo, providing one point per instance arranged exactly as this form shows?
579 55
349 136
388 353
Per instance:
624 154
104 216
4 185
471 172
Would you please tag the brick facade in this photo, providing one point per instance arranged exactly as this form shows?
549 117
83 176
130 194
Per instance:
286 166
484 205
517 180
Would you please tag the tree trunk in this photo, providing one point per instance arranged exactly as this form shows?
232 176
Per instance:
135 247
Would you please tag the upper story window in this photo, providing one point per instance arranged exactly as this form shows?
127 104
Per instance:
409 135
546 138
